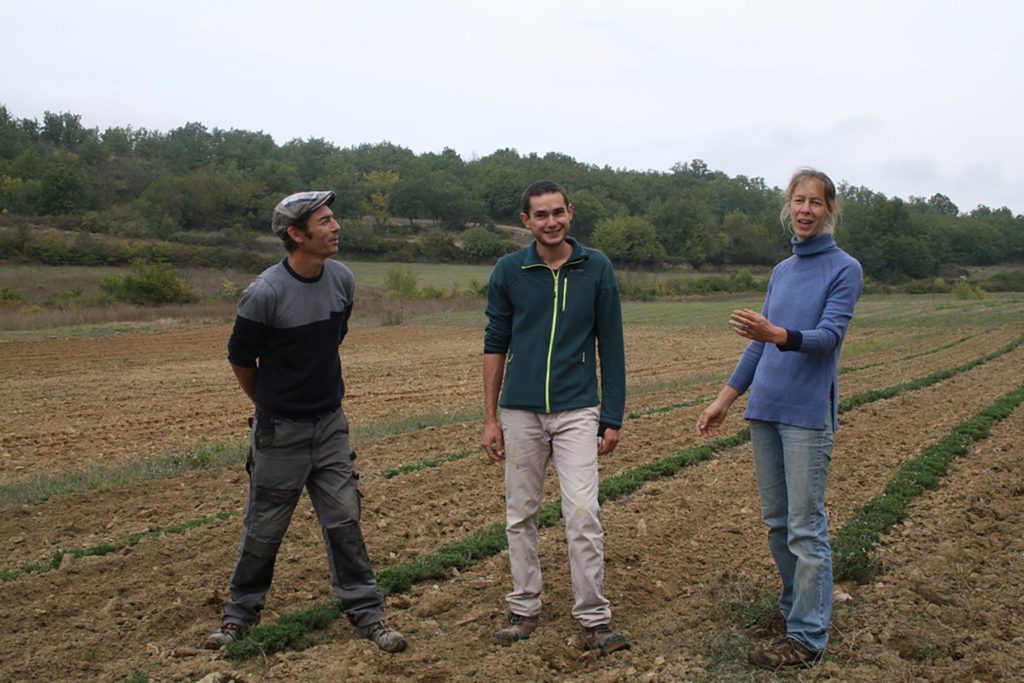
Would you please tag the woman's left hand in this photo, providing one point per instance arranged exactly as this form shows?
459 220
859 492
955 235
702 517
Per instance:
753 325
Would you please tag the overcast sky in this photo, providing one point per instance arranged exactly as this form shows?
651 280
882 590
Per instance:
906 98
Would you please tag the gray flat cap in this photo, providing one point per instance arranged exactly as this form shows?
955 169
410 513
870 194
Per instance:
293 207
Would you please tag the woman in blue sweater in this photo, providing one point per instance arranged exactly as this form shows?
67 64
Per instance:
791 369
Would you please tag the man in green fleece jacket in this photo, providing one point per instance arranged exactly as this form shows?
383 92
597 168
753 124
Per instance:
550 306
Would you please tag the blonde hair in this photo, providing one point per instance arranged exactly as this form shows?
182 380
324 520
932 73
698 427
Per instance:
832 201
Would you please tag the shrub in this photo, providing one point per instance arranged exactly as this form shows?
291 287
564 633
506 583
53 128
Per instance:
9 297
637 288
479 245
936 285
149 285
1005 282
965 291
230 290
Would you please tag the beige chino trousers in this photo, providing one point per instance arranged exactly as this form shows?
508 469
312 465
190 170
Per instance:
569 439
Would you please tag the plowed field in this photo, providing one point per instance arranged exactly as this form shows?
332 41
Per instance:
947 604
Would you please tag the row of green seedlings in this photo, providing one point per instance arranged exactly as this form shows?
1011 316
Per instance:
104 548
856 541
207 456
392 472
902 359
752 609
292 629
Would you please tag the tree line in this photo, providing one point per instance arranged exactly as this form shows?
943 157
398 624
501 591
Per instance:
198 186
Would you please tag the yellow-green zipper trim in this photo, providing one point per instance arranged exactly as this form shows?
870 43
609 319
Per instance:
551 347
554 323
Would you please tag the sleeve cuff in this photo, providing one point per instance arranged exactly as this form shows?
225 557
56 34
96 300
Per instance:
794 340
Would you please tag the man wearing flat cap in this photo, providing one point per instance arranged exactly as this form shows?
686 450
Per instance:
284 352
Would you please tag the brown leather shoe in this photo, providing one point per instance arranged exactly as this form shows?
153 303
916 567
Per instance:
603 639
519 628
225 635
783 652
383 635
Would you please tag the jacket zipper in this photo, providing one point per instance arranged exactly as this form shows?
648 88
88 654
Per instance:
551 347
554 324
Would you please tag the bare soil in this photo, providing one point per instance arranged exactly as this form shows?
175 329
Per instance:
947 605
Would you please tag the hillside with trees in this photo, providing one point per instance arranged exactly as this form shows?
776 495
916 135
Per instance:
71 194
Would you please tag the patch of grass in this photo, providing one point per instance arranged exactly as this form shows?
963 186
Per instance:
926 352
446 276
666 408
411 423
855 542
392 472
726 653
746 605
134 539
204 456
107 548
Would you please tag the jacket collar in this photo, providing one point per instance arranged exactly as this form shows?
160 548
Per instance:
579 253
818 244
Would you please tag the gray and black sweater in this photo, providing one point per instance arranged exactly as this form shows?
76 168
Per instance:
290 327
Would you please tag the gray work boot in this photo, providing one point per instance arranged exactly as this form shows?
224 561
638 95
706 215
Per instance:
225 635
519 628
383 634
603 639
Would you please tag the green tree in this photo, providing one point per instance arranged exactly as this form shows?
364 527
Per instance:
943 204
589 208
61 190
377 186
65 130
629 239
117 141
480 245
400 284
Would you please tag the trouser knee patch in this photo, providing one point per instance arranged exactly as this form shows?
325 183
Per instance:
256 566
349 552
257 548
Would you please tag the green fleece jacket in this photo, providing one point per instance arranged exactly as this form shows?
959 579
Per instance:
549 323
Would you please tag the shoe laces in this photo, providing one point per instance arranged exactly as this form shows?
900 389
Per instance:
382 627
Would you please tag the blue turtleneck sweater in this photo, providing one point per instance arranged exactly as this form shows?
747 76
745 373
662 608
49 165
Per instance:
812 294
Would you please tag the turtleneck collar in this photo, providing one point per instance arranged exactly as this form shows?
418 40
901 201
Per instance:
821 242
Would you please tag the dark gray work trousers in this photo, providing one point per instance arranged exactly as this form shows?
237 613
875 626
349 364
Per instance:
287 455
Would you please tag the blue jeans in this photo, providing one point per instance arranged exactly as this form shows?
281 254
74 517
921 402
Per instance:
792 471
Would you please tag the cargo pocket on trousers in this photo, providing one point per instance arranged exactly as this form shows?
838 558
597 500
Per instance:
264 434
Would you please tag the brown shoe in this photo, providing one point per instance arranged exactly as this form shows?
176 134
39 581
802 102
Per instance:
519 628
603 639
384 635
225 635
782 652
